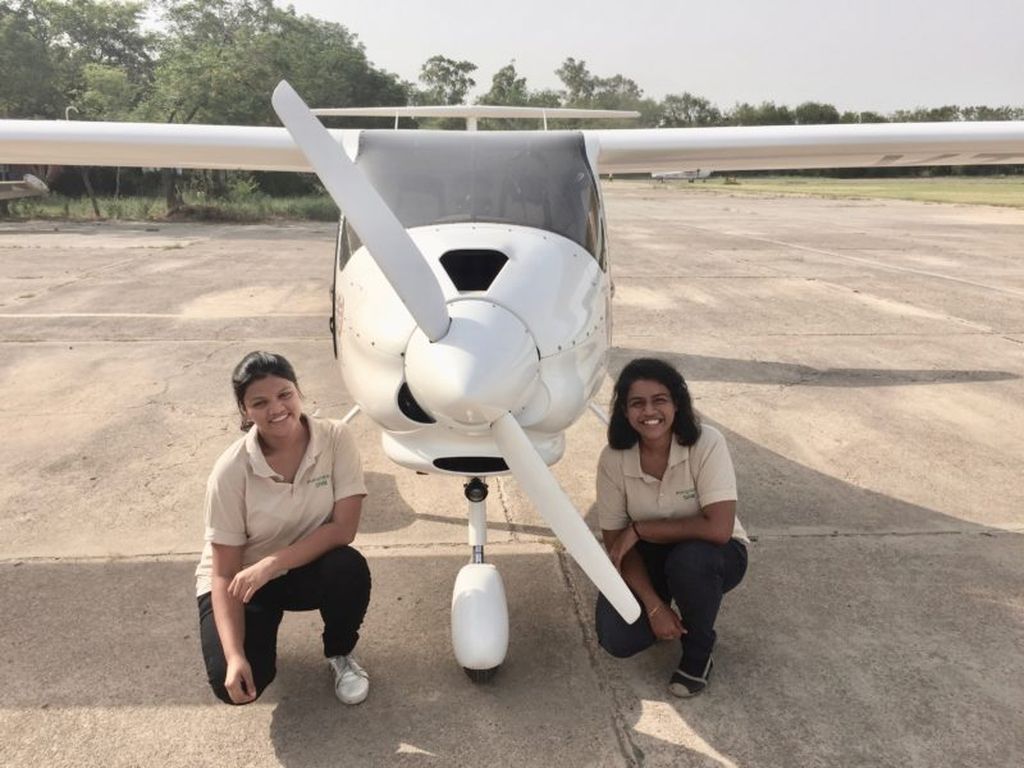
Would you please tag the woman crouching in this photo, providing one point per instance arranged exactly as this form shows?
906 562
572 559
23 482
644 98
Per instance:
666 498
282 509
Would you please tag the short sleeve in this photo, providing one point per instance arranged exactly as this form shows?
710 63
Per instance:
224 507
713 471
611 491
347 475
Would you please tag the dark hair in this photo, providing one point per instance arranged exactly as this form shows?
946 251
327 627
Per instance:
686 425
256 366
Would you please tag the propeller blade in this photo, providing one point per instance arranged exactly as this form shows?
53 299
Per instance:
381 232
558 511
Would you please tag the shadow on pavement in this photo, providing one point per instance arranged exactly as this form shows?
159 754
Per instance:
708 368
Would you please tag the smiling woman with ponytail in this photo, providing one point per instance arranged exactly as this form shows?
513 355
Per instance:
282 510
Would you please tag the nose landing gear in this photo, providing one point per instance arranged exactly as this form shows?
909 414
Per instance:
479 608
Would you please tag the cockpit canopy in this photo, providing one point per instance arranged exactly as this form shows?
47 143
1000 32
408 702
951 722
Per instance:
539 180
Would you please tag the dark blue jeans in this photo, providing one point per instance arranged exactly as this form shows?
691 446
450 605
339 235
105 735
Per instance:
337 584
693 573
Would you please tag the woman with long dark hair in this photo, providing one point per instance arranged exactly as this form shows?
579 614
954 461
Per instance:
282 509
666 498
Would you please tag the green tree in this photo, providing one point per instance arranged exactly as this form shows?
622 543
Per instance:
507 88
28 87
585 90
46 46
767 113
100 32
992 113
447 81
91 55
579 84
862 117
946 114
219 61
816 113
684 110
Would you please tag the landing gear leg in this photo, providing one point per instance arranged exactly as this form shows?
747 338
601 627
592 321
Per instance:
479 609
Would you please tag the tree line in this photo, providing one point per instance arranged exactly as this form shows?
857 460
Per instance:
217 61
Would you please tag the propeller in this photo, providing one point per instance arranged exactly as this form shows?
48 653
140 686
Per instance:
416 285
383 235
540 485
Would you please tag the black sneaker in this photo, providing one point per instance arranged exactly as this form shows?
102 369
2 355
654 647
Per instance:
684 686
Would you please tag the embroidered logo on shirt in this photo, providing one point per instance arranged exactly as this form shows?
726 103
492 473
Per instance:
320 481
687 493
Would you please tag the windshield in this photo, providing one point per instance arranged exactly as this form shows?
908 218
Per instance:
539 180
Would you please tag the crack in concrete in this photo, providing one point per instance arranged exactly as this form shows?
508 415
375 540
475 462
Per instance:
632 755
513 527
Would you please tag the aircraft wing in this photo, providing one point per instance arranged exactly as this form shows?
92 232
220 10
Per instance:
152 145
29 186
616 150
790 147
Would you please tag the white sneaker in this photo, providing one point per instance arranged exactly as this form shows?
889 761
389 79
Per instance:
351 683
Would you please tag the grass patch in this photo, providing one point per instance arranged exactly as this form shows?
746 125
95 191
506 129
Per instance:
966 190
249 206
250 209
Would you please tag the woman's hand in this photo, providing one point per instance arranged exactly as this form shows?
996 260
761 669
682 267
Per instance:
238 680
625 542
665 623
248 580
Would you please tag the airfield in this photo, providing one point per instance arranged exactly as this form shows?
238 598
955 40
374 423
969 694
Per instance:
864 359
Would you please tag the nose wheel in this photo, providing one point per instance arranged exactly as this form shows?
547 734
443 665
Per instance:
479 608
481 675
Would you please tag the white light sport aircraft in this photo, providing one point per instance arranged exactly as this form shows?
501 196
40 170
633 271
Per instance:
29 186
471 309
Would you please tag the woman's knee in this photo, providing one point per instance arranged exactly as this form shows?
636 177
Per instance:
620 647
217 686
694 559
344 560
347 566
618 638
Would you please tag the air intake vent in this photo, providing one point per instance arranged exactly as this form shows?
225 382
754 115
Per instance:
407 404
473 269
471 465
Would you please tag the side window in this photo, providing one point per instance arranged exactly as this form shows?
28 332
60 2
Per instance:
345 245
348 243
596 241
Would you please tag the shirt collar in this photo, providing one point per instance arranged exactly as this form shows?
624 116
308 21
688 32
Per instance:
677 454
258 461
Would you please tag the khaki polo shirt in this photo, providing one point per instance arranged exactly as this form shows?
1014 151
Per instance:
249 505
696 476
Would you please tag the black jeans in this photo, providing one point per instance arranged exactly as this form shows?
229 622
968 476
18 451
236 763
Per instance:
693 573
337 584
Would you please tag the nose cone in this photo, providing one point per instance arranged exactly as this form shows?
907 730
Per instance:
485 366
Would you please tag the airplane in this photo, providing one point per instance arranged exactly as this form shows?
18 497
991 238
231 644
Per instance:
29 186
690 175
471 301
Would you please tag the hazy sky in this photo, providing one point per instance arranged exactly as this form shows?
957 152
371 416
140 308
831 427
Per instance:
857 54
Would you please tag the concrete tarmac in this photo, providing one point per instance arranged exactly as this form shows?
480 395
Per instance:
865 361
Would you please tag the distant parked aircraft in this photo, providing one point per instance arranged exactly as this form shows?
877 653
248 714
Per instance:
29 186
691 176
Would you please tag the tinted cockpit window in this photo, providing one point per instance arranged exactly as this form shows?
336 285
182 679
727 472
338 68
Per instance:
534 180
